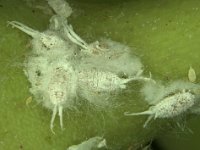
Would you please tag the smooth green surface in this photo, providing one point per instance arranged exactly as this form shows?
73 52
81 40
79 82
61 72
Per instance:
164 34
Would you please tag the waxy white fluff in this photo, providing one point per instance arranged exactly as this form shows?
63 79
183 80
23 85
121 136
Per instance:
93 143
116 57
168 101
62 66
170 106
154 93
61 7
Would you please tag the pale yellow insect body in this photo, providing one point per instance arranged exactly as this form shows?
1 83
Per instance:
191 75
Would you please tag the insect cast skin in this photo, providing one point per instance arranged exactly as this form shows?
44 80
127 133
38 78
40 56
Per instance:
170 106
90 144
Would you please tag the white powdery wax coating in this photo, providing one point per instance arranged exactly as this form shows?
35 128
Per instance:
61 86
169 107
116 56
61 7
154 93
98 86
101 81
58 69
174 105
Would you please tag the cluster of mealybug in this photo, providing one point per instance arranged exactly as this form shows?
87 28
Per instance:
63 66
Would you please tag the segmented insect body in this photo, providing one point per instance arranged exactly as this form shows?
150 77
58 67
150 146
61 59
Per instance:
61 89
97 86
47 44
100 81
170 106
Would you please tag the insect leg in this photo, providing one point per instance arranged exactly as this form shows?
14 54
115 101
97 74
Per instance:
53 118
148 112
60 113
147 121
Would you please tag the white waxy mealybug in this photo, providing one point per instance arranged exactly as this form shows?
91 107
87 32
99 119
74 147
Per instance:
170 106
61 90
101 81
97 86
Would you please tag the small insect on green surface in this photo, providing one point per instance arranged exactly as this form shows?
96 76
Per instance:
169 107
191 75
173 100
